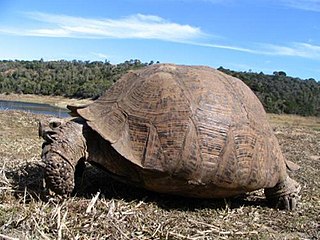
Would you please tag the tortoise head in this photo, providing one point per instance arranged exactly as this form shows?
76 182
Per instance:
62 149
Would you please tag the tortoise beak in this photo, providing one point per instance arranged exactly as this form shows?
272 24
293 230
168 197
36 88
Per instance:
46 128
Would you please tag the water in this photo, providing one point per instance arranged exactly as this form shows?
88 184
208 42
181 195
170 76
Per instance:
38 108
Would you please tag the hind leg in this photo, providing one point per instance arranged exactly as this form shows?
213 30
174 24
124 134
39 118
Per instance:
284 195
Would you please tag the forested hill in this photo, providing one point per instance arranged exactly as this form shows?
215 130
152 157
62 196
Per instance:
82 79
280 93
77 79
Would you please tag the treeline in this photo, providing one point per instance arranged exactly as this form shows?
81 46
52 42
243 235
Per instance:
278 92
76 79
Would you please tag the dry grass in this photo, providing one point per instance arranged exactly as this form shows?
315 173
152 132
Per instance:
295 121
105 208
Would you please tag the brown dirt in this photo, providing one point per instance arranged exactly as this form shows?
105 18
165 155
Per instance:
105 208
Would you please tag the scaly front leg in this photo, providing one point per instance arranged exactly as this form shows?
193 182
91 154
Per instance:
284 195
64 146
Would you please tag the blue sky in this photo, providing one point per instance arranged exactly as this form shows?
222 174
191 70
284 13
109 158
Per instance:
257 35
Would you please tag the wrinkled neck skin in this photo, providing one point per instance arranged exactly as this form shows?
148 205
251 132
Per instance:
64 146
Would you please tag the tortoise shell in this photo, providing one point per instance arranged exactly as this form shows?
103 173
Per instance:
186 130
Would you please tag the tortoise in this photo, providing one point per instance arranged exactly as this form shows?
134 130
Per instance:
185 130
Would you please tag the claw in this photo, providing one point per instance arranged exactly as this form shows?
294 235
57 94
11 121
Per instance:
287 202
293 203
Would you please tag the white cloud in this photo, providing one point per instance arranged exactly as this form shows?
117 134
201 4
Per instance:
141 26
221 46
304 50
136 26
58 32
100 55
309 5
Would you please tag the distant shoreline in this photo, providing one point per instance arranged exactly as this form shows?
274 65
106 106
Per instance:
56 101
62 102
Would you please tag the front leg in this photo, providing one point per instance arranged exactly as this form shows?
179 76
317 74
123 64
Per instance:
284 195
64 146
